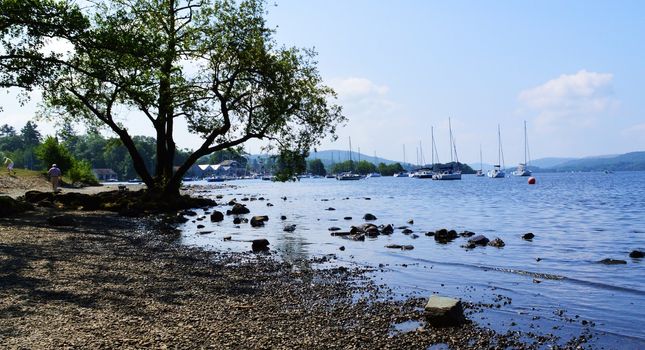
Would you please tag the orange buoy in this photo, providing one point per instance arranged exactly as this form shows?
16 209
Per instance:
531 180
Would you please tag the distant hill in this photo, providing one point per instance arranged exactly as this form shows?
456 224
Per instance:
336 156
632 161
550 162
625 162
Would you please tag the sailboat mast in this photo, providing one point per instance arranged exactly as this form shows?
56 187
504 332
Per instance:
481 167
451 143
432 145
350 149
499 146
525 145
404 154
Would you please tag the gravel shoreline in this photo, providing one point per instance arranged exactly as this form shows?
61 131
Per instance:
114 282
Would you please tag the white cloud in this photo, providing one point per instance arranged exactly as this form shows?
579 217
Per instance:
571 99
637 129
349 88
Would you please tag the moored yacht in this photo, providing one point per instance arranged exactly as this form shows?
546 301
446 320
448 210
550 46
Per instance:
523 168
498 171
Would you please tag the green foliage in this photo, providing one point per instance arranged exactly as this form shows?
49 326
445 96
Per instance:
51 152
389 170
289 163
131 55
233 153
345 166
364 167
30 135
316 167
81 171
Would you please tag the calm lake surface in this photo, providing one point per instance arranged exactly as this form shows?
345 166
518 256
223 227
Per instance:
578 219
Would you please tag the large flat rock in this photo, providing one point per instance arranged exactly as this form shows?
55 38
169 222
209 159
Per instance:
444 312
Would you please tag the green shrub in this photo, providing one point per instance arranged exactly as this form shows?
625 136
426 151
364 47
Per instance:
81 171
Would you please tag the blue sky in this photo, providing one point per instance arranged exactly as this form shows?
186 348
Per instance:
574 70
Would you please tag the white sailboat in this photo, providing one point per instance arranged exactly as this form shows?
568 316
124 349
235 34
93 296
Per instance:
498 169
453 172
523 168
480 172
403 173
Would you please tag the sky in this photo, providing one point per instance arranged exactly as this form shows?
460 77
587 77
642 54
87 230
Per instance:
573 70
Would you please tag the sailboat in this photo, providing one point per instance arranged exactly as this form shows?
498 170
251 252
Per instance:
498 169
349 175
480 172
452 172
523 168
403 173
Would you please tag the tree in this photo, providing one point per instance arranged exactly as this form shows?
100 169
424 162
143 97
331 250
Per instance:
52 152
364 167
213 64
7 130
30 135
389 170
316 167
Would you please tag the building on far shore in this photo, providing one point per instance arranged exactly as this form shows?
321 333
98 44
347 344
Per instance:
105 174
225 168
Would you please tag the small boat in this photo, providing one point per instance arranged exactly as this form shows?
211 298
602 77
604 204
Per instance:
374 175
348 176
401 174
523 168
498 172
135 180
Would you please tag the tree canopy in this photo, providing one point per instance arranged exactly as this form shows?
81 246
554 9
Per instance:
212 65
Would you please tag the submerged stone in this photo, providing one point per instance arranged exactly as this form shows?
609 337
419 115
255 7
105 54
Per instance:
609 261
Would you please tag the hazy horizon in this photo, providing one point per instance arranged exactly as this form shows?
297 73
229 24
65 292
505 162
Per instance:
572 70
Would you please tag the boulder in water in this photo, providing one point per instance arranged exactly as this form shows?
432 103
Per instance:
497 242
259 220
479 240
239 209
445 236
387 229
637 254
369 217
217 216
528 236
260 245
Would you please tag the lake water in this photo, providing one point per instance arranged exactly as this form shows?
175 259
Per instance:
554 280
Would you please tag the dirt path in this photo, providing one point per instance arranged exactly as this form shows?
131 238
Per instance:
16 186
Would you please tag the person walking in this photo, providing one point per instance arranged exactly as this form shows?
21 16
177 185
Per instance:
9 164
54 176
